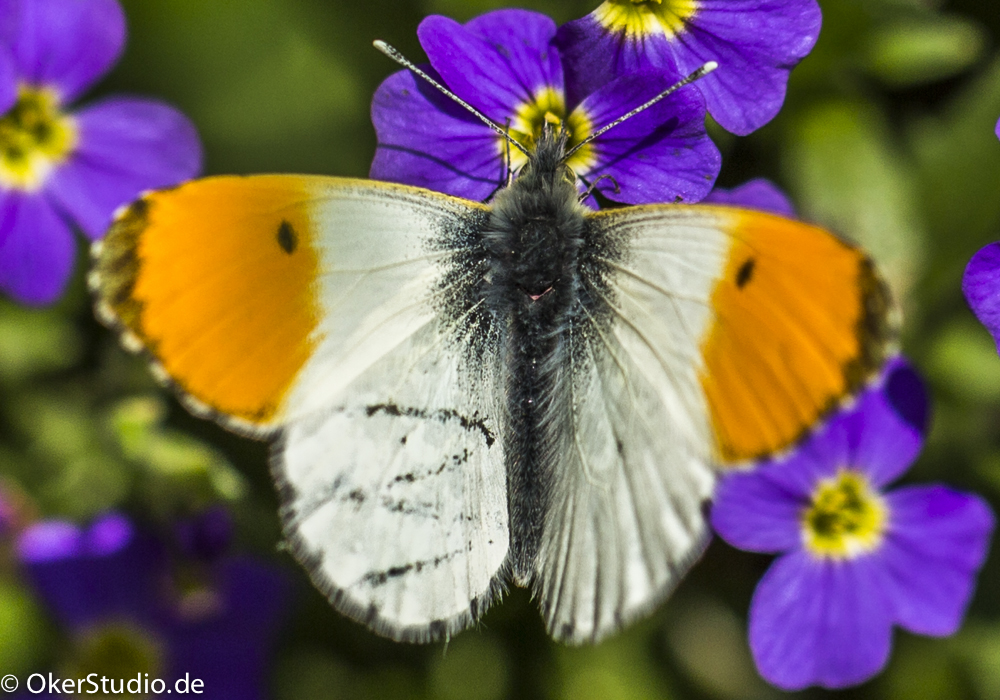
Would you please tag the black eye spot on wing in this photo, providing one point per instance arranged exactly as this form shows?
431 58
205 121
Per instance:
745 273
287 238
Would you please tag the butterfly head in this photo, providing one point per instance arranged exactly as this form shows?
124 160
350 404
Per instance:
547 165
535 226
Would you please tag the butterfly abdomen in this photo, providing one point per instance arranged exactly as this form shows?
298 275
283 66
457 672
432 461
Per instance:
533 244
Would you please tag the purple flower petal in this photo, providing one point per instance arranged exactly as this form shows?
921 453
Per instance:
981 285
108 534
662 154
220 632
760 510
9 20
755 514
883 443
523 41
820 457
936 542
230 650
593 57
818 622
870 436
126 146
760 194
49 540
36 249
755 44
997 129
497 62
68 44
425 139
82 584
907 394
8 80
207 535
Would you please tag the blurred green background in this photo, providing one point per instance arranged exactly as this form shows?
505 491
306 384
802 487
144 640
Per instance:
886 136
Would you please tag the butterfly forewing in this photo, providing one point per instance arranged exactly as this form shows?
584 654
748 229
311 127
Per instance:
787 319
389 462
394 476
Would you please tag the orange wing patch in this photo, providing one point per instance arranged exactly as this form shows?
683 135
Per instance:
217 278
800 322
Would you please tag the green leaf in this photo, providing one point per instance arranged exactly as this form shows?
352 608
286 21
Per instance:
923 49
964 358
710 642
958 168
475 668
847 175
35 341
25 633
620 668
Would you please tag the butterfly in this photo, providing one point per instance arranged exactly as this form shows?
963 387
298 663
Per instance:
464 395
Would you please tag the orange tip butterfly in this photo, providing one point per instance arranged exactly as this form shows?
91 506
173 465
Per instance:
463 395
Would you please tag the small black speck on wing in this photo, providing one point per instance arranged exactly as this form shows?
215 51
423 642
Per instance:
287 238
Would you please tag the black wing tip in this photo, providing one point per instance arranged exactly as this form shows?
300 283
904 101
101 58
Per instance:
115 266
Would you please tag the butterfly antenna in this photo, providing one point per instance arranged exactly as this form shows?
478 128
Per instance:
402 60
510 173
698 74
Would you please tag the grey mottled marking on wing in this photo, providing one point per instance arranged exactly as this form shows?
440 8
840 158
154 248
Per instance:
395 498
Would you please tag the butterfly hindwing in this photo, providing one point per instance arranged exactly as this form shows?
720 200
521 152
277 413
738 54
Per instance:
395 496
626 516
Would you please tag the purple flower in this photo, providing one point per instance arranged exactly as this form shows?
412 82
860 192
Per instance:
855 559
981 285
112 588
503 64
997 129
207 535
760 193
755 42
60 168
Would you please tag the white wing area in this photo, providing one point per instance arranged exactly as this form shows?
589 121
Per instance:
379 271
391 468
625 519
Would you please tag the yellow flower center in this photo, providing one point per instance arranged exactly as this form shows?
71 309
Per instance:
549 107
846 518
638 18
117 651
35 136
